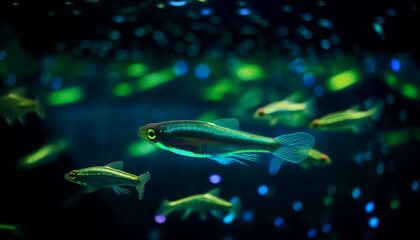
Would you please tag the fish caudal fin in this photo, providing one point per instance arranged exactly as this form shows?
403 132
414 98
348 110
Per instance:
143 179
40 108
377 109
294 147
234 211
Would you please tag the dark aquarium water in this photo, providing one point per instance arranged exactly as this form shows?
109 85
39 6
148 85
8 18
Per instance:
254 83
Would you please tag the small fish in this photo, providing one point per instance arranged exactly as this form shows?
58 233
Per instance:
43 155
202 203
288 111
351 119
108 176
220 140
14 106
316 158
17 230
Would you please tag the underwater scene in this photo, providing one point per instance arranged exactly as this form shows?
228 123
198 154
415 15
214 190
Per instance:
209 119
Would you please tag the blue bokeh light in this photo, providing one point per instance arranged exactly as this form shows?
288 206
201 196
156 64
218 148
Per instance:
308 79
319 91
160 219
326 228
395 65
215 178
278 221
311 233
297 205
206 11
373 222
370 206
177 3
415 186
248 216
262 190
180 67
202 71
356 193
244 11
57 83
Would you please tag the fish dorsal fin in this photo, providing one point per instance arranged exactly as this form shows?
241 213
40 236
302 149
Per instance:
116 165
214 192
20 91
231 123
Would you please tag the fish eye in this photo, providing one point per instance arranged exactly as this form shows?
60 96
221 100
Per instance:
315 123
260 113
72 175
151 134
324 157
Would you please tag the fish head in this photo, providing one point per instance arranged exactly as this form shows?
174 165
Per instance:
316 123
149 132
73 176
260 113
325 159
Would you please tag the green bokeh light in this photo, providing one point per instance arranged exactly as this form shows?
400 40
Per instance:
155 79
410 91
249 72
343 80
65 96
136 70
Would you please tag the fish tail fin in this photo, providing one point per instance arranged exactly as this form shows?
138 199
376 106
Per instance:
163 209
294 147
40 108
377 110
309 107
234 211
143 179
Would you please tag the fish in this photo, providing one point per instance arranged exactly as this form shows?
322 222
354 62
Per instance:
288 111
220 140
108 176
316 158
44 154
15 230
352 119
14 106
201 204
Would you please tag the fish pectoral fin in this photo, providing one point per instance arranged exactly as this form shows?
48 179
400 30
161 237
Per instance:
216 214
203 216
90 189
275 164
120 190
186 214
228 159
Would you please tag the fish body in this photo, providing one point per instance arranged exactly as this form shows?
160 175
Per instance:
14 106
108 176
201 204
316 158
43 154
220 140
287 112
351 119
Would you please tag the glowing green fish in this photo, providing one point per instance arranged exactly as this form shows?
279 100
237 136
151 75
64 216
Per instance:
316 158
44 154
288 111
220 140
14 106
351 119
201 203
108 176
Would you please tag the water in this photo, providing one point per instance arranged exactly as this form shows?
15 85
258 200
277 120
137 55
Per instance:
102 69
